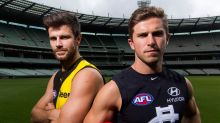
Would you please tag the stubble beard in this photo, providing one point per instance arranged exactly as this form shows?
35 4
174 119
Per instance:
68 57
152 61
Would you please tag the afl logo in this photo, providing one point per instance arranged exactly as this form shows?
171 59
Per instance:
173 91
142 99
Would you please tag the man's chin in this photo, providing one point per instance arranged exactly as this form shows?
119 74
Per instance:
153 60
61 58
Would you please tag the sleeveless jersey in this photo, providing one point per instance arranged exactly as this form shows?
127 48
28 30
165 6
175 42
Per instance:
151 98
63 81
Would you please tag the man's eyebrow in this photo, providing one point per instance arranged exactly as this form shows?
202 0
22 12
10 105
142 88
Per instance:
142 33
52 37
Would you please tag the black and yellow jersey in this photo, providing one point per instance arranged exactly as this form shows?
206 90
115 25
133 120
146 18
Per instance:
63 80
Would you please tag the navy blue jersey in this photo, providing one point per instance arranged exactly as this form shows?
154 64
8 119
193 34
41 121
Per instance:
151 98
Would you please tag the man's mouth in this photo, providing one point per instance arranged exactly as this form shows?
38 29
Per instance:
60 52
152 51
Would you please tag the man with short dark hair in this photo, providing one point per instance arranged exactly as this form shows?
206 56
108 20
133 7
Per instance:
146 92
71 90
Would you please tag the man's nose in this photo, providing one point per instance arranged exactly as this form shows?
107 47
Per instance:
150 40
59 43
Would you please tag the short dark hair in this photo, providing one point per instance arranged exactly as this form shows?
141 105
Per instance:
144 13
63 18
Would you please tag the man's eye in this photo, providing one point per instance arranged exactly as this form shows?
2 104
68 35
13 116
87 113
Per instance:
53 38
64 37
158 33
143 35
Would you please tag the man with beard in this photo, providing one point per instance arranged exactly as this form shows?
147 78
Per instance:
71 90
146 92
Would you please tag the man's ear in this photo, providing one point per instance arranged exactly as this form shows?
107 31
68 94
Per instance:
131 43
167 42
168 39
78 39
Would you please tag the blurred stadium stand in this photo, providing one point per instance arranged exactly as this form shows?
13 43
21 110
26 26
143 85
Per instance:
194 47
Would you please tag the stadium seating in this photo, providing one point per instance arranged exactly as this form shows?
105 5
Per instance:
196 71
20 72
194 42
95 43
122 43
22 36
39 37
180 71
84 46
109 43
45 71
212 71
105 51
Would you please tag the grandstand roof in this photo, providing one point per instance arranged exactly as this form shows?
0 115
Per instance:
26 12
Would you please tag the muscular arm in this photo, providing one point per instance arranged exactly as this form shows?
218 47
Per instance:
39 114
84 88
192 114
106 104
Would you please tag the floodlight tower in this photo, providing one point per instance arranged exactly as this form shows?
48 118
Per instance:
143 3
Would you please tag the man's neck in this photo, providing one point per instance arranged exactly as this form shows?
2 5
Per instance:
144 68
66 65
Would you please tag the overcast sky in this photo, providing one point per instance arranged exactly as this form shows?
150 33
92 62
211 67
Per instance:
124 8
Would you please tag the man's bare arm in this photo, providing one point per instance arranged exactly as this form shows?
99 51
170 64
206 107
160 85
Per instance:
192 114
38 113
107 103
85 86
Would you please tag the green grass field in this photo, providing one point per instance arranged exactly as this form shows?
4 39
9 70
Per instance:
207 93
17 97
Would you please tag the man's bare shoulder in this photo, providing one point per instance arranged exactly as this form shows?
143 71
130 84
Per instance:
189 87
88 82
110 95
111 86
89 73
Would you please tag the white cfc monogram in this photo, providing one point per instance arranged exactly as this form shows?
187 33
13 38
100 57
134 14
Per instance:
165 114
